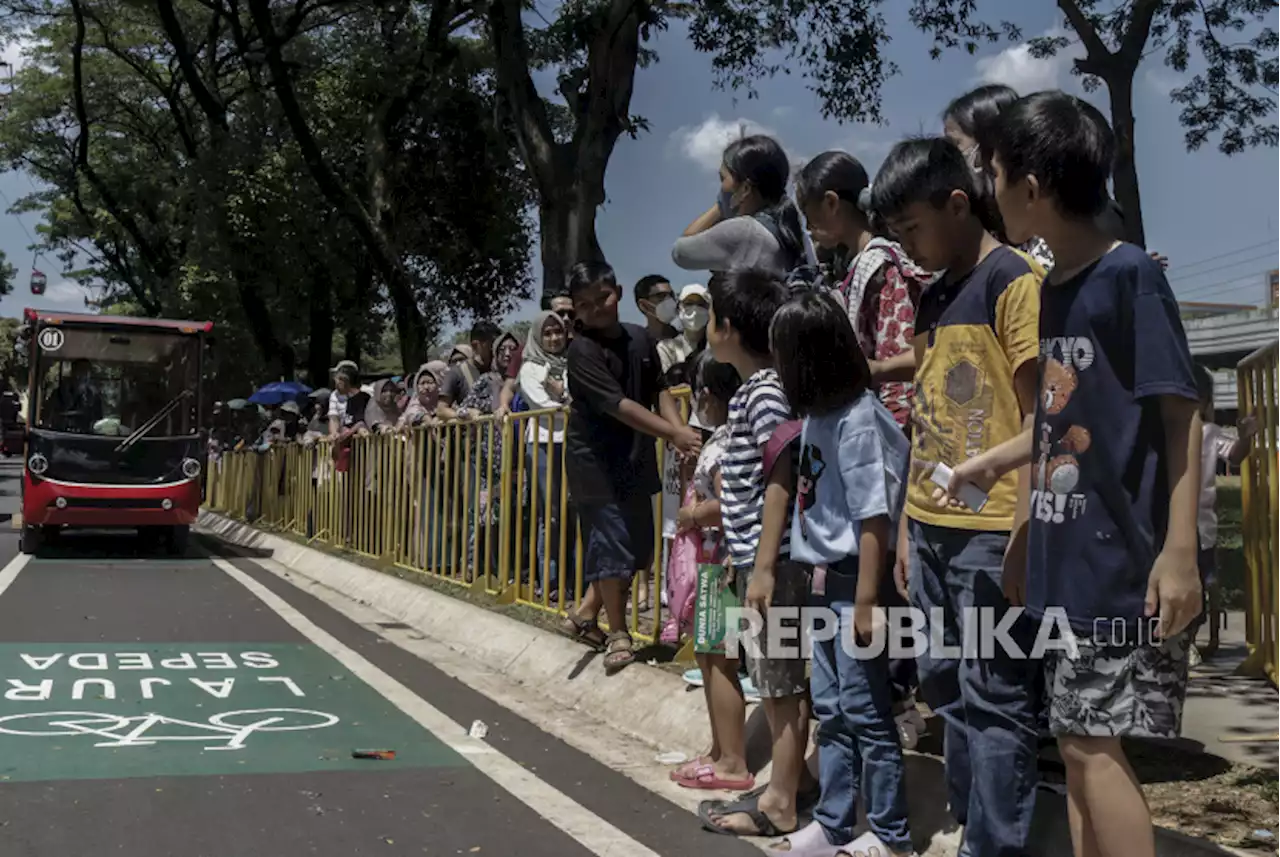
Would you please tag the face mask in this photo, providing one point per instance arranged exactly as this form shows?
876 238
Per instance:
665 310
693 317
725 203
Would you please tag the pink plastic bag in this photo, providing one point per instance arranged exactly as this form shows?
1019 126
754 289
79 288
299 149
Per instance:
682 580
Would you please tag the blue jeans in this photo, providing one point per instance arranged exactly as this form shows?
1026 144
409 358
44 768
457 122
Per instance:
989 705
857 738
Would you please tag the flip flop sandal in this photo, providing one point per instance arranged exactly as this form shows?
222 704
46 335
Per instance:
583 631
686 769
704 777
621 652
710 810
805 801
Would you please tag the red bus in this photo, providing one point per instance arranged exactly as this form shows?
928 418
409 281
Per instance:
113 425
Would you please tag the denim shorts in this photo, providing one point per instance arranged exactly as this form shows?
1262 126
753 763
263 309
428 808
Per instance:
617 537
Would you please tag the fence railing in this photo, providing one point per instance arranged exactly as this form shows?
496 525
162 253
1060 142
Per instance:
1256 385
482 504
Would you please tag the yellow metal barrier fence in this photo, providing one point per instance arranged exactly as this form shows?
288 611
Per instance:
1256 385
483 504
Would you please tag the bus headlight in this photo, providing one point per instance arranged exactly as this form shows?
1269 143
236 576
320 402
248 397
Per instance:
166 504
190 468
37 464
61 502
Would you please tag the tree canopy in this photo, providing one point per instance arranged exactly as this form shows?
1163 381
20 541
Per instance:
1223 50
204 158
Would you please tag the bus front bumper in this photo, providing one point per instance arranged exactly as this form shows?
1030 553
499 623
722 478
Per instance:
48 502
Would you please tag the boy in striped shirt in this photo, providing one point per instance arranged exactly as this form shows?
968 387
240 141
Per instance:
755 509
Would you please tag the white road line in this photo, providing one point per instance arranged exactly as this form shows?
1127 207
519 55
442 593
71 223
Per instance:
10 571
589 829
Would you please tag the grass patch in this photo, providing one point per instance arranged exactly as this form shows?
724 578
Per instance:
1232 569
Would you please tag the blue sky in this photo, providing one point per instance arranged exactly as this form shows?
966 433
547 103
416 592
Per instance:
1215 217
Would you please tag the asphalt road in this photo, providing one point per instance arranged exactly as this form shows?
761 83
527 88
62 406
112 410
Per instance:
202 707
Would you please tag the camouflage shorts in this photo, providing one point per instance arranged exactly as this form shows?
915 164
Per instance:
1110 690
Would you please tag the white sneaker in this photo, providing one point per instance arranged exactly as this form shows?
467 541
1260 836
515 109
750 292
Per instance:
870 845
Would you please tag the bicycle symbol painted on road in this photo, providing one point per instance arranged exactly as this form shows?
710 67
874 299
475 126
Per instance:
226 731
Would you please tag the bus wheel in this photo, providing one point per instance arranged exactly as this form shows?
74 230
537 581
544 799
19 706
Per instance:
31 539
179 537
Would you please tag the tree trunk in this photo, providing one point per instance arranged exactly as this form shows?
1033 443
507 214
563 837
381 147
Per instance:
1125 175
320 331
353 334
569 175
567 227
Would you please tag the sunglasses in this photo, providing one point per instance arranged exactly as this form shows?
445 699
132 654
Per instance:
566 314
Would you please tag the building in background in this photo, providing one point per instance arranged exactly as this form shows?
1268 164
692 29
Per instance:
1221 335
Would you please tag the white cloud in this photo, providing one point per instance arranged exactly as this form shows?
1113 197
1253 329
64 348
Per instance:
1016 67
704 144
11 55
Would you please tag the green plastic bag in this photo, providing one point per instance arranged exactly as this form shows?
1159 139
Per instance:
715 597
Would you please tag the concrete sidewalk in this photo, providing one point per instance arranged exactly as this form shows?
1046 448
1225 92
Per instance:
651 706
1228 715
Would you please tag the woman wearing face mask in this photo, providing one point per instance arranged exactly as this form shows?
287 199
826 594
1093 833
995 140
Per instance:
753 224
692 310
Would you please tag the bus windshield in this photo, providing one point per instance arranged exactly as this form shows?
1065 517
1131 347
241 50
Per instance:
105 381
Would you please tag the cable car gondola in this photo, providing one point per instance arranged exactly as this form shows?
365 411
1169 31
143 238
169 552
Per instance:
38 282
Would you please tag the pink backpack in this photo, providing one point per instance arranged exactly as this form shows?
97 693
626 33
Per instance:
782 437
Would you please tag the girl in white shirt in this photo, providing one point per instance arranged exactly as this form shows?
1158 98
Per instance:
544 384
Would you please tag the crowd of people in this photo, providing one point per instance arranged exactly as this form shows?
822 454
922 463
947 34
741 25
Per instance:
973 395
990 326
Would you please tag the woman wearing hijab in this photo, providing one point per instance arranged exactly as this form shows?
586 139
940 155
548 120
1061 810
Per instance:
424 396
382 413
459 354
544 384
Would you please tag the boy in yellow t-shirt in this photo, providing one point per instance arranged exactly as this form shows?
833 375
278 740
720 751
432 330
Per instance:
976 347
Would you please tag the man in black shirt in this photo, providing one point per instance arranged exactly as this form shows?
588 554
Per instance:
611 465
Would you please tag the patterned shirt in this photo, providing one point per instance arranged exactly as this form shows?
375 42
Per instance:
755 411
885 287
972 335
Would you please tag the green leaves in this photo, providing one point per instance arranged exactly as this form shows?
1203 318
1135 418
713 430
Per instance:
196 200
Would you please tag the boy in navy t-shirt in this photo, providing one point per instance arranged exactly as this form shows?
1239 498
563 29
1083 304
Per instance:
1115 454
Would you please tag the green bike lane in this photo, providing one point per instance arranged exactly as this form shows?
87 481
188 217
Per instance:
200 706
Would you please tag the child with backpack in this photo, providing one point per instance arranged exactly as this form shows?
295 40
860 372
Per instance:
882 287
880 292
725 765
853 462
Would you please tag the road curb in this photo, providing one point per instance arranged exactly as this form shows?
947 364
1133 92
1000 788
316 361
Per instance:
647 704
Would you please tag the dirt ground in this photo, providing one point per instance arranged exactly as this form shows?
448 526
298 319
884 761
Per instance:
1204 796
